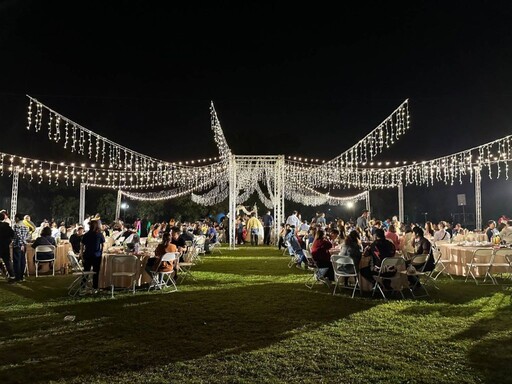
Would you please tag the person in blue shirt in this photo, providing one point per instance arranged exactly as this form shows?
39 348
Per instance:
268 221
93 241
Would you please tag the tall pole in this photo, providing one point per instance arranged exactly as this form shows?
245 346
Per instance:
368 207
81 213
118 204
478 198
14 194
401 202
233 191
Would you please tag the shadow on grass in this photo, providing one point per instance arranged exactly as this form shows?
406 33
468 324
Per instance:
127 333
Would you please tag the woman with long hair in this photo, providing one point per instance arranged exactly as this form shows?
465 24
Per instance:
322 256
93 241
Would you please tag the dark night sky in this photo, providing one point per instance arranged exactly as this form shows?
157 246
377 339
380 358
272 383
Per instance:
285 79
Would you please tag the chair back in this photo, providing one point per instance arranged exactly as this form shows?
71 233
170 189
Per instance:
125 264
502 257
309 257
482 256
397 262
419 260
343 265
73 261
45 249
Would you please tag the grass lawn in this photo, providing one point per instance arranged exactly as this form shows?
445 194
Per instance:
248 318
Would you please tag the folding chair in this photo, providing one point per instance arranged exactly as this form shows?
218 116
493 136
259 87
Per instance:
183 270
441 263
44 249
501 259
124 266
481 258
315 277
419 262
287 247
83 281
215 246
161 280
397 278
344 267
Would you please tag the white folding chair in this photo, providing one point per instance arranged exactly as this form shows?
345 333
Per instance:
501 259
287 247
183 270
481 258
399 265
419 262
161 280
344 267
44 249
441 263
215 246
315 277
122 267
83 281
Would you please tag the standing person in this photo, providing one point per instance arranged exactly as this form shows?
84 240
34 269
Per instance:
321 220
93 241
253 228
19 247
362 221
294 220
144 227
137 225
6 236
268 221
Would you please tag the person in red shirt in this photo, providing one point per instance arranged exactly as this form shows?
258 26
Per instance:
322 256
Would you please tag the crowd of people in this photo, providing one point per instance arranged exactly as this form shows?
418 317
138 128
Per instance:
368 241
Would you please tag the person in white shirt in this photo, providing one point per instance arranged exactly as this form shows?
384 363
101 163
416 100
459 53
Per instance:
86 223
442 234
293 220
506 232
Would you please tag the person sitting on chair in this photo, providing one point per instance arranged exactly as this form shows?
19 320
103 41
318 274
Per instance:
373 255
164 247
46 238
322 256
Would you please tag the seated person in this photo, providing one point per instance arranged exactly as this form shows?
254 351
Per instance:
76 239
422 246
164 247
295 247
377 251
322 256
46 238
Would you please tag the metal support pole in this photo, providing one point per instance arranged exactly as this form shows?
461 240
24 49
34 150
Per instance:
233 191
81 213
478 198
14 194
368 207
401 202
118 204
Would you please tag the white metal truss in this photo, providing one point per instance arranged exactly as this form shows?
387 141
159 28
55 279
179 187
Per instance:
118 204
14 194
81 214
245 174
401 203
478 198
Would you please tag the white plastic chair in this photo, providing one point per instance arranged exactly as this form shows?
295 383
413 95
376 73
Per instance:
344 267
83 281
124 266
44 249
441 263
161 280
183 270
419 262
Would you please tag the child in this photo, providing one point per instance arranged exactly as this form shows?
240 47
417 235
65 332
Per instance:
244 234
